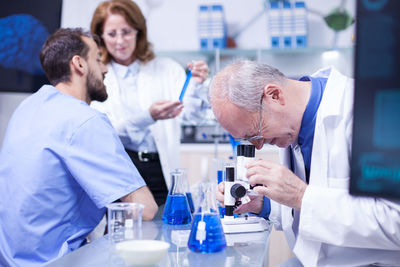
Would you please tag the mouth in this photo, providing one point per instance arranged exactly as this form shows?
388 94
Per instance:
120 49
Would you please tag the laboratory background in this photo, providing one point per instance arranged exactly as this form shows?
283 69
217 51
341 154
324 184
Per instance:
297 37
174 30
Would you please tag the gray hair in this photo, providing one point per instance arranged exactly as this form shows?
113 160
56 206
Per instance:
242 83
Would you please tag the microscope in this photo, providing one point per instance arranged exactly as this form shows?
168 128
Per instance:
237 191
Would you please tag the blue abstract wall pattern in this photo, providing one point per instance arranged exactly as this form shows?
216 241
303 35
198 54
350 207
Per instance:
24 27
22 37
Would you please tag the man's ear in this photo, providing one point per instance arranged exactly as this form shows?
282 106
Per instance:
78 64
274 93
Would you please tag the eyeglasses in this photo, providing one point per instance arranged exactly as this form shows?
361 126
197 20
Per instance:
126 34
259 136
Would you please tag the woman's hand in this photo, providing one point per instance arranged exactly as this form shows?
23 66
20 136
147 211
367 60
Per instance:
165 109
199 70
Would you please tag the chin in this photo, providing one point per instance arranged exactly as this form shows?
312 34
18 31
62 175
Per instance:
283 144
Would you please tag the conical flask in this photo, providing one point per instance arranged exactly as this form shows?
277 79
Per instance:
177 210
186 187
207 234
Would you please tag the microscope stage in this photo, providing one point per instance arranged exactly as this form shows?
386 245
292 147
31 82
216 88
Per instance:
244 224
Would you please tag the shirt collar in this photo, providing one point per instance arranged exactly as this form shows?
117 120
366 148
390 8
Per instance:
123 71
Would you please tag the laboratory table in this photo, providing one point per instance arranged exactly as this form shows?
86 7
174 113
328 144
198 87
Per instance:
243 249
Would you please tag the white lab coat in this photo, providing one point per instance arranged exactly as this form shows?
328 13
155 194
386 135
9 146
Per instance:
335 228
159 79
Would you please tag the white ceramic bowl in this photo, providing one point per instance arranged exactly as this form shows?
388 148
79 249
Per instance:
142 252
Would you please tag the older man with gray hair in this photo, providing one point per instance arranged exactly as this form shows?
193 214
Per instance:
307 195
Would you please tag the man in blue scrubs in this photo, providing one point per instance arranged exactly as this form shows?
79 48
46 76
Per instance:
61 162
306 195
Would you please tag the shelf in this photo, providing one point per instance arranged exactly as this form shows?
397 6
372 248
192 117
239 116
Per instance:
252 52
292 62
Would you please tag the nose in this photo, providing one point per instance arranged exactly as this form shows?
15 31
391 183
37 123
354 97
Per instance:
258 143
119 38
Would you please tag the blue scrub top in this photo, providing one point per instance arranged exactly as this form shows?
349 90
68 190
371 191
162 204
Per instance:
61 163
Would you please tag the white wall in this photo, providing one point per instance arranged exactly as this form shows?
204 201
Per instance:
172 26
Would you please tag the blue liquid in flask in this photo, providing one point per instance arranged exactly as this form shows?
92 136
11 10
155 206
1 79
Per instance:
177 210
190 200
215 237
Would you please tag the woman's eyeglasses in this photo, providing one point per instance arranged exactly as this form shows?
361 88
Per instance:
126 34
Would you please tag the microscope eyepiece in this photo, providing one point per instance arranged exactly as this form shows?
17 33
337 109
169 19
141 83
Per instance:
230 174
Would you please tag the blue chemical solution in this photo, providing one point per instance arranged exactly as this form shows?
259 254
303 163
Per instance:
214 238
221 212
220 177
177 210
190 200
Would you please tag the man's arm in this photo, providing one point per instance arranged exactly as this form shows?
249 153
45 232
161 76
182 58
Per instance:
143 196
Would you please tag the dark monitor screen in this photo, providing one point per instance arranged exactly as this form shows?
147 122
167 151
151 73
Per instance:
375 163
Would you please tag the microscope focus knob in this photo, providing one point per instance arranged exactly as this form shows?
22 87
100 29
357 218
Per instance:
238 191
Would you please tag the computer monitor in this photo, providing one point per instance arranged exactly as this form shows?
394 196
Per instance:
375 162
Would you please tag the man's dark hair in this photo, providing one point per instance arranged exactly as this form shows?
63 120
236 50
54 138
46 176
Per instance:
58 51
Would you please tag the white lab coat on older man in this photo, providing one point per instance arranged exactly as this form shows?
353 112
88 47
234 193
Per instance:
334 228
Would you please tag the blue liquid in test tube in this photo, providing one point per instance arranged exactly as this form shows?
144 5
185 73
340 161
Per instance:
190 200
185 85
215 237
177 210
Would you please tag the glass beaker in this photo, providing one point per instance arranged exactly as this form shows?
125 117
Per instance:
124 225
124 221
177 210
186 186
207 234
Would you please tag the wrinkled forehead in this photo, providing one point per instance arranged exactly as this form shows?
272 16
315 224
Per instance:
232 118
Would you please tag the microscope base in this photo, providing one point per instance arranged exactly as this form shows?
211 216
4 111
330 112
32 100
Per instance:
244 225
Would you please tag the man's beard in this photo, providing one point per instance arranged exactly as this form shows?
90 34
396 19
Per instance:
95 88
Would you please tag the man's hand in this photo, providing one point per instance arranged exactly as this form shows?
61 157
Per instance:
254 206
280 184
165 109
199 70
